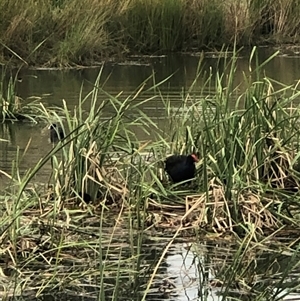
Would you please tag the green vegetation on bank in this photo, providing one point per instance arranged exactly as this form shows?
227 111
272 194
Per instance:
246 186
68 32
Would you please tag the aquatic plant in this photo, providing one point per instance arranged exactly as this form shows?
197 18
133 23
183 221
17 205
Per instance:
10 103
248 144
13 107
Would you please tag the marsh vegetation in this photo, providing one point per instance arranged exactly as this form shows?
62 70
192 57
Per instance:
63 33
115 245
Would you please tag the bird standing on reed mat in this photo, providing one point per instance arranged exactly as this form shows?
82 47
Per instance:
56 133
181 167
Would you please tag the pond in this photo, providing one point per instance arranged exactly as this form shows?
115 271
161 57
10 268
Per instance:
187 269
122 80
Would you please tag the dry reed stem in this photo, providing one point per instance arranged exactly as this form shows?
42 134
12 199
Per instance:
214 212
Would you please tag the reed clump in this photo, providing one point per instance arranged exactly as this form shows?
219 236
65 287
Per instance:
13 107
247 183
249 143
64 33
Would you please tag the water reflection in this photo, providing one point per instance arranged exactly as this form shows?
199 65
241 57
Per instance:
195 271
116 78
209 271
26 144
122 80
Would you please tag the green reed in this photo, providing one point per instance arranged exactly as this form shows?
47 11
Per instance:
247 140
10 103
252 268
155 25
101 156
12 107
248 146
60 33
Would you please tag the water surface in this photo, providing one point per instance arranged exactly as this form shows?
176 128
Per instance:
122 80
189 270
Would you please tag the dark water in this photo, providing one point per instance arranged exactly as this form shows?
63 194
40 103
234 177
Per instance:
180 276
189 271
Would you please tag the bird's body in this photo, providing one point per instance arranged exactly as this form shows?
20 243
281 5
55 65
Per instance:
85 196
56 133
181 167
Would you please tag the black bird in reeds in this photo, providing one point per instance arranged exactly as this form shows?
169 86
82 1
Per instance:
56 133
181 167
85 196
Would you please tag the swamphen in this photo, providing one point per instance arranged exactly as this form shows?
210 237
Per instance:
181 167
85 196
56 133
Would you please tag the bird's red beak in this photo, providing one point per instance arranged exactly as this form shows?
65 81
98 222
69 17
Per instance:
196 159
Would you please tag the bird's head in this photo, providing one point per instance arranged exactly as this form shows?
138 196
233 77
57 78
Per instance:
195 158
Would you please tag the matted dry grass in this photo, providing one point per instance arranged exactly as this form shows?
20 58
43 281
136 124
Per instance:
213 212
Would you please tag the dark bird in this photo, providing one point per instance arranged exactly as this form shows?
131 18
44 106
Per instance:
85 196
181 167
56 133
